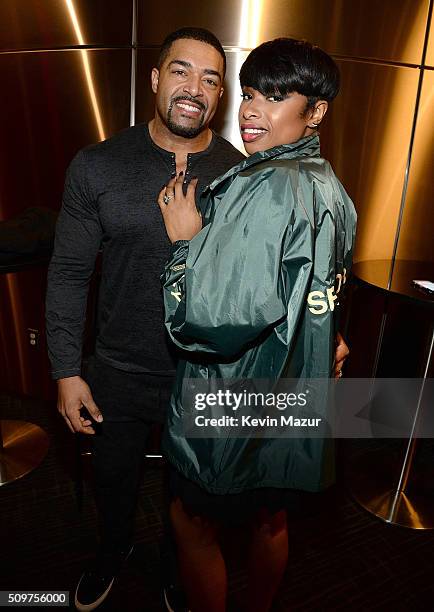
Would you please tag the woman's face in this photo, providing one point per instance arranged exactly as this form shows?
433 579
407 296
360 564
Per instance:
268 121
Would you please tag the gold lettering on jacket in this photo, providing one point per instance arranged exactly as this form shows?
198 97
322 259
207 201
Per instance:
178 267
319 302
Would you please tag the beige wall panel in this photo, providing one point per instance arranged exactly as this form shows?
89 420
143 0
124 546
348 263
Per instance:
44 24
57 102
416 239
366 138
429 61
384 29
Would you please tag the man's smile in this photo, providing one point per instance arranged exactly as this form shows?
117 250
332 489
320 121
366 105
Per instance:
189 108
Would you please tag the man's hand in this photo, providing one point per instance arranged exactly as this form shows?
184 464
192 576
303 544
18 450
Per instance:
341 353
73 394
180 215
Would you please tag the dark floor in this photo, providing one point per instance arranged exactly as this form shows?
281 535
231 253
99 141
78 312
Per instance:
341 557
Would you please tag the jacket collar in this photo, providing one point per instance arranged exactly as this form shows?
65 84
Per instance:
305 147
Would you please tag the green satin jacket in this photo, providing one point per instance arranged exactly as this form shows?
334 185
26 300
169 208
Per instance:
255 295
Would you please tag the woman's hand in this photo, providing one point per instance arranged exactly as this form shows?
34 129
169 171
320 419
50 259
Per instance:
180 215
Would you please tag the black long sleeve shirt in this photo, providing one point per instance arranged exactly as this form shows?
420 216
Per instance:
110 203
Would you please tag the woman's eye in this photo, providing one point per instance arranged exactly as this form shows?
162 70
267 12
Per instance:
275 98
246 96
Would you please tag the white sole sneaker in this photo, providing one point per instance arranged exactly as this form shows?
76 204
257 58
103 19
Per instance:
88 607
81 607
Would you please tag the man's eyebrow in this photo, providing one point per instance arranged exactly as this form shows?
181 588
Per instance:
188 65
181 62
211 71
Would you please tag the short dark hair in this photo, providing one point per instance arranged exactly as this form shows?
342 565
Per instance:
193 34
287 65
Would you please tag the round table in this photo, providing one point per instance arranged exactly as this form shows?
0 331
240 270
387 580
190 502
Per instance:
369 474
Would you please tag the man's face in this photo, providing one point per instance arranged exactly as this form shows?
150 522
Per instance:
188 86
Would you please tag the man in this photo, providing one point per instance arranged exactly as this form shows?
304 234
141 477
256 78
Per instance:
110 202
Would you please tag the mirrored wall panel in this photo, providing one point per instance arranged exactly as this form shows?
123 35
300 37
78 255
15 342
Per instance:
386 30
416 240
430 51
46 24
24 366
146 60
366 137
56 103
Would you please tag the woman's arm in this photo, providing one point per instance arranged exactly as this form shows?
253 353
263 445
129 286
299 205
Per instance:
239 276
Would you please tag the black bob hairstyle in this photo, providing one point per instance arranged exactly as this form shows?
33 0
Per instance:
287 65
199 34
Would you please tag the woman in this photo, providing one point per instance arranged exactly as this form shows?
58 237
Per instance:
253 295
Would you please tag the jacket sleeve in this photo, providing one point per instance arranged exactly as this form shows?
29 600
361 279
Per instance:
237 278
347 217
350 226
77 241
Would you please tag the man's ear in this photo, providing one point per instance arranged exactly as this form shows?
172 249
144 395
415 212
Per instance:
317 113
155 75
221 91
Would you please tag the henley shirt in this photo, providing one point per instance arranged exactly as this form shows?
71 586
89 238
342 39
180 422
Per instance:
110 204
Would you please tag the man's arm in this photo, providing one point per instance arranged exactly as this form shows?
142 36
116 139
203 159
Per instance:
72 394
78 238
341 353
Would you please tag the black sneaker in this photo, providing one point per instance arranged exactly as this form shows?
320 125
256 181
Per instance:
175 599
94 585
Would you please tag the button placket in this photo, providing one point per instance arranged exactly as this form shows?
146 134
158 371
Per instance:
187 169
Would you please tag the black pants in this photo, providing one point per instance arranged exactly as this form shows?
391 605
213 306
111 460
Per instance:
130 403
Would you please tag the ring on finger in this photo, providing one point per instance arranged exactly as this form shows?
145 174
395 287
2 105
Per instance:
340 374
167 198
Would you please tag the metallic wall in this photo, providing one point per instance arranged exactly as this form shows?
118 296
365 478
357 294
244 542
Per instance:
53 24
76 71
387 30
65 69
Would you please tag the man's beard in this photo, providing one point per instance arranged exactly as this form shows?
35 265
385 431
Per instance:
181 130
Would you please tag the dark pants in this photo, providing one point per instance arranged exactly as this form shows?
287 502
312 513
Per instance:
130 403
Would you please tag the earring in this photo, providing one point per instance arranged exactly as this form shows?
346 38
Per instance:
313 126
